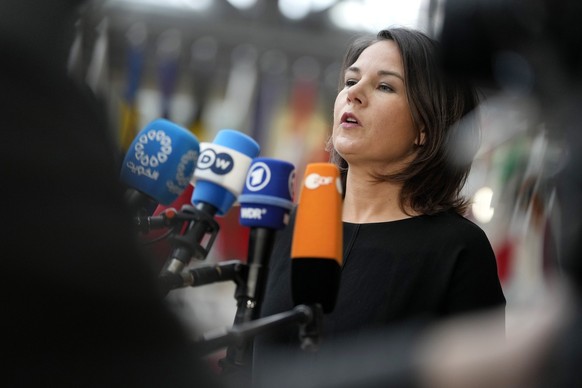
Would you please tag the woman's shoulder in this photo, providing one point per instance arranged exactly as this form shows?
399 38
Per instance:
452 226
453 220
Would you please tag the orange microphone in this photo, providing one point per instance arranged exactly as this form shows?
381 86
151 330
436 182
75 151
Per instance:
316 250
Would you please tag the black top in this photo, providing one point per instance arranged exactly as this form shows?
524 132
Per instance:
425 267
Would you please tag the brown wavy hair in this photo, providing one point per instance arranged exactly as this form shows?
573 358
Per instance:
444 106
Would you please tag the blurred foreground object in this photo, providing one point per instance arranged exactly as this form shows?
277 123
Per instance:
529 51
81 306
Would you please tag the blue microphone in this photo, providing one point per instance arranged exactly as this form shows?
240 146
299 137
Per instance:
265 204
267 197
219 178
159 163
222 168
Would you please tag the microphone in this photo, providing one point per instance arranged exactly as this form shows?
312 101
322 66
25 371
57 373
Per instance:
219 178
222 169
316 257
316 248
159 163
265 203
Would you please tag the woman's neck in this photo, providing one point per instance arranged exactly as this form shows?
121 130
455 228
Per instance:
367 201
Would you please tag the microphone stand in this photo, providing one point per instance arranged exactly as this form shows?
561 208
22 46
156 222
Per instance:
201 229
309 317
250 280
233 270
201 224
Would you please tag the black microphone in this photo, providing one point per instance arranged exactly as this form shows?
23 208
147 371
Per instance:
266 201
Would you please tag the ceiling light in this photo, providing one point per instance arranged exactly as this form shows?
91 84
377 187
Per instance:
375 15
295 9
481 207
194 5
242 4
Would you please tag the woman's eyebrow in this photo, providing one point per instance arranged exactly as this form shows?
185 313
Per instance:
355 69
390 73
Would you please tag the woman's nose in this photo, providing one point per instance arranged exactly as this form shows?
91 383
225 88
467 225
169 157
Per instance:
356 94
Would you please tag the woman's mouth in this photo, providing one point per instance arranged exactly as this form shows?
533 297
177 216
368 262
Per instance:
349 120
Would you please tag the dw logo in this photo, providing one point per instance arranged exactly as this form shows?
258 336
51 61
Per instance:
220 164
258 177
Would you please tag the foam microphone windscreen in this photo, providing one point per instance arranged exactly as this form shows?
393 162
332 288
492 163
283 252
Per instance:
267 197
222 168
316 250
160 161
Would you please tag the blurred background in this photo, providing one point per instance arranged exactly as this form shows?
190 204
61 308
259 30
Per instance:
270 68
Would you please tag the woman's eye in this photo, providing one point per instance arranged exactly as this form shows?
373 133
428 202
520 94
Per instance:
385 88
350 82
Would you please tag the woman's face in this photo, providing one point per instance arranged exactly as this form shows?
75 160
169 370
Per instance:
373 125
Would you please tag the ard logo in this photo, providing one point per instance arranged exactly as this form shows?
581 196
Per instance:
258 177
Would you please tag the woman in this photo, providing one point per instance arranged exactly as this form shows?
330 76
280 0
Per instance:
403 136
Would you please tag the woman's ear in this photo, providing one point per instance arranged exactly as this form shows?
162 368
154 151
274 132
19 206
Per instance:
420 138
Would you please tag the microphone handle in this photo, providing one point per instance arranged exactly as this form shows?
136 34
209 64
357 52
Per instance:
233 270
229 270
169 281
250 296
138 202
237 334
187 245
261 241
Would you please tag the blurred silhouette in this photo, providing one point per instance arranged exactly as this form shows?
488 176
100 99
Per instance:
530 50
81 305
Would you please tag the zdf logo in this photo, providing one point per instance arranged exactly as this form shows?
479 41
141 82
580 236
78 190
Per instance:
314 180
219 163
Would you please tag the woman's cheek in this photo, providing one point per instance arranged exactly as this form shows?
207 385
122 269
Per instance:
340 143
